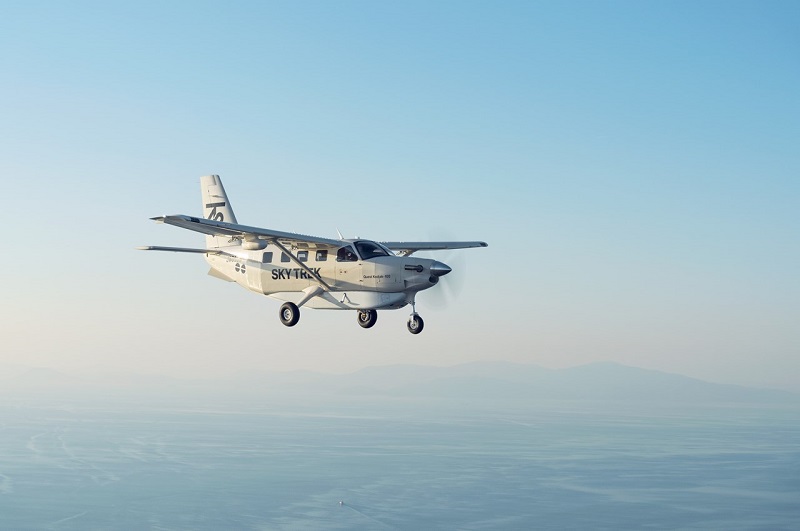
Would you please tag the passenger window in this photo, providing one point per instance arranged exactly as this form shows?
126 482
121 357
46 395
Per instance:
267 258
322 256
346 254
302 256
285 257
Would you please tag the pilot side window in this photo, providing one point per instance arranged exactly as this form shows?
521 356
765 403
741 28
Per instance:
346 254
302 256
285 257
322 256
267 258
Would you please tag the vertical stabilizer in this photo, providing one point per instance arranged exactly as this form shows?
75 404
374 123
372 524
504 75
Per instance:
216 206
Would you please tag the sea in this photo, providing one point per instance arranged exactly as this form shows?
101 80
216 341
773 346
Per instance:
83 465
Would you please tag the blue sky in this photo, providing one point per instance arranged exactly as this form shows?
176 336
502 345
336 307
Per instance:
633 166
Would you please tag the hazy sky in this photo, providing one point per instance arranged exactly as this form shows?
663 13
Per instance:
634 166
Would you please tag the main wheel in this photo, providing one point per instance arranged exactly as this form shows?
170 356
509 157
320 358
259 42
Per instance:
415 324
367 318
289 314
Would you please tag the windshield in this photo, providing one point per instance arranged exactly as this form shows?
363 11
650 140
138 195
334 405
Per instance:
369 250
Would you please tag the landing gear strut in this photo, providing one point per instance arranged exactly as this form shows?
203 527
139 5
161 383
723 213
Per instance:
415 323
367 318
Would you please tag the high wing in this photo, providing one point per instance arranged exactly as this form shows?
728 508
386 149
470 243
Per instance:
247 233
407 248
294 240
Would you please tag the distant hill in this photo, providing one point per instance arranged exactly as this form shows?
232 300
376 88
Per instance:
481 383
510 383
502 381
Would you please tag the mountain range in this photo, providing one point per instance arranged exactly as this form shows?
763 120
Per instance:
490 383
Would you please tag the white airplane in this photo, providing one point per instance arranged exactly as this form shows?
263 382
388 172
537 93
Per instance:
322 273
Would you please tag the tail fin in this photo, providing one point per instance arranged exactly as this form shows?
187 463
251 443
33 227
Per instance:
216 206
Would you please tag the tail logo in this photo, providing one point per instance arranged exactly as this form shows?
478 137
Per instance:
214 215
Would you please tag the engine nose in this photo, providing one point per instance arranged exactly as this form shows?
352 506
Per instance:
439 269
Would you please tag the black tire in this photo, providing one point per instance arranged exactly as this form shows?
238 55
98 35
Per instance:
415 324
367 318
289 314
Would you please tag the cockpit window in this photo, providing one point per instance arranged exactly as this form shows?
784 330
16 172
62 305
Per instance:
346 254
369 250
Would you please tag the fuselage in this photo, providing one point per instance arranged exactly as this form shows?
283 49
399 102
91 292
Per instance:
360 274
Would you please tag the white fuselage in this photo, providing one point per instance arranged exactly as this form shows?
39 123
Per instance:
380 282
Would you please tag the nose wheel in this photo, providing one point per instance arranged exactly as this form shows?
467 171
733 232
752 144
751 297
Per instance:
415 324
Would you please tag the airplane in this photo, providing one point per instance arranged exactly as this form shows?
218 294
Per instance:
321 273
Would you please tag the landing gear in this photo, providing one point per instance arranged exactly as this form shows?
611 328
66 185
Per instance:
289 314
367 318
415 324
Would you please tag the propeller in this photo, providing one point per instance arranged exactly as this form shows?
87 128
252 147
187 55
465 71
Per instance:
450 285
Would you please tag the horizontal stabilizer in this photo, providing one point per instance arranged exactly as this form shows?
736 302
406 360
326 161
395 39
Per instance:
181 250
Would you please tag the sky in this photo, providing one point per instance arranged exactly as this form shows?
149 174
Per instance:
634 167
